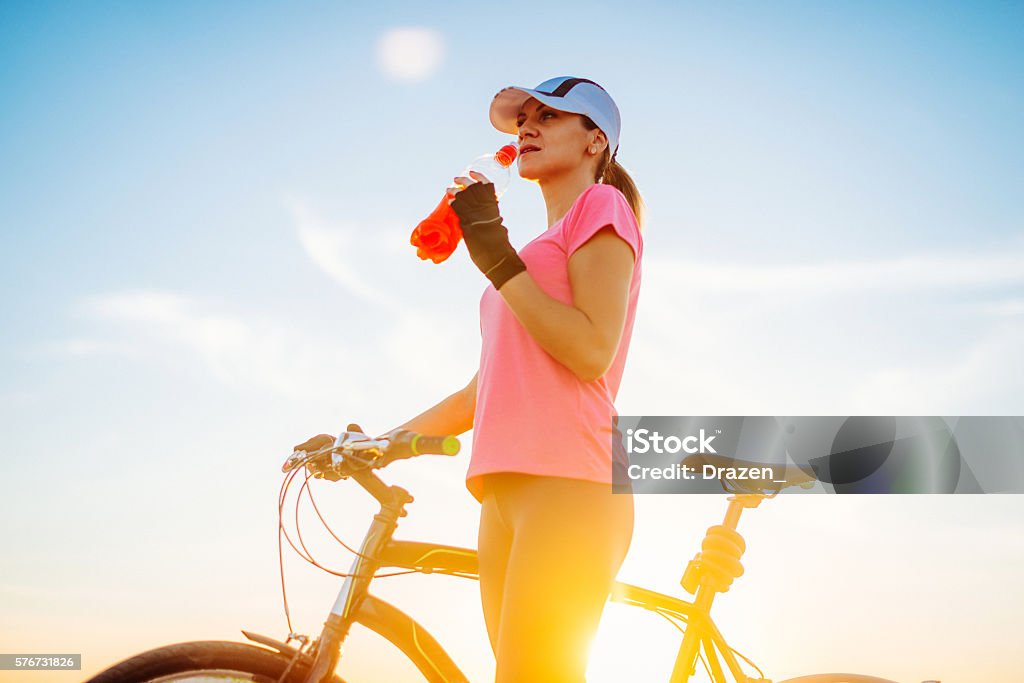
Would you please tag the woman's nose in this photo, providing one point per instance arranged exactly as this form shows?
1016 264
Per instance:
526 130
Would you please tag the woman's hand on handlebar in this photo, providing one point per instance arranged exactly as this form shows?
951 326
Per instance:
319 441
315 443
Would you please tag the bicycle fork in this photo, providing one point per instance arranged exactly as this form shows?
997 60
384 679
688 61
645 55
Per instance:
393 500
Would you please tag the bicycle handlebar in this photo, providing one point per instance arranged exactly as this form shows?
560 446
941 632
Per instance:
420 444
353 451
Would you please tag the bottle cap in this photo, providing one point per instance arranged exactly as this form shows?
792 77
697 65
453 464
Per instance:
507 154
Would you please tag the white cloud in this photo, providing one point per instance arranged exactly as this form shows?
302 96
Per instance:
336 251
381 379
176 316
845 338
728 339
143 306
1006 308
83 347
907 273
236 351
421 335
984 378
411 345
410 53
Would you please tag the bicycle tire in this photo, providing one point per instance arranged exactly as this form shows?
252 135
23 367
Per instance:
216 660
837 678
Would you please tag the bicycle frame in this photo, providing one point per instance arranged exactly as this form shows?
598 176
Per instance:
379 550
710 572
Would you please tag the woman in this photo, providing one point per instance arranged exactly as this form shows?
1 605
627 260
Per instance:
556 324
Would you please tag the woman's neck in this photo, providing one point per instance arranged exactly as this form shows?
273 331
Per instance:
561 192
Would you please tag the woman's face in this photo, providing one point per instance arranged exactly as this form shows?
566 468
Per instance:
554 142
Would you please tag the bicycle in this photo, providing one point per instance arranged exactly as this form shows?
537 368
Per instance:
354 455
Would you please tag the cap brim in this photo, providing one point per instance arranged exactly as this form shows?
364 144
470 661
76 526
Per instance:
506 105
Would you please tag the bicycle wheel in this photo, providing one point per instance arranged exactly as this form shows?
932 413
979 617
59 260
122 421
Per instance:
837 678
206 662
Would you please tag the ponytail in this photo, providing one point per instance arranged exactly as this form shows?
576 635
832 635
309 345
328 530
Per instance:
611 172
617 176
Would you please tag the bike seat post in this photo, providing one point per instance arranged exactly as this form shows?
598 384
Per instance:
737 503
686 658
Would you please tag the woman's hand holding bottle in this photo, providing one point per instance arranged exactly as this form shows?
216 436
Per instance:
476 205
437 236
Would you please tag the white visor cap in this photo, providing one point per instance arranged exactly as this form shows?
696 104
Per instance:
565 93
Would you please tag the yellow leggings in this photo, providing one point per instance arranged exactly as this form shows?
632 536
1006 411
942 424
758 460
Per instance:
550 548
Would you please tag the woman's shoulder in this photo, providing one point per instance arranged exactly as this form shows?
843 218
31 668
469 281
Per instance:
598 206
602 192
598 198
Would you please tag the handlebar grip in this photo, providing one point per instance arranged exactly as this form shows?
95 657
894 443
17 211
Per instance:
407 444
436 445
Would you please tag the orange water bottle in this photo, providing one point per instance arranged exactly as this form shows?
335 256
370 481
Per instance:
437 235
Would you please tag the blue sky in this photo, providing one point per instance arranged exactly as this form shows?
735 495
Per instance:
204 214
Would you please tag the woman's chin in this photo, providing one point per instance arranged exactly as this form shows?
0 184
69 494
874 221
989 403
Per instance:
529 174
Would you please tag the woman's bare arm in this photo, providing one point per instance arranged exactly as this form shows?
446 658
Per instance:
452 415
583 336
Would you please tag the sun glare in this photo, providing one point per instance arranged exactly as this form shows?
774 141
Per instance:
632 644
410 53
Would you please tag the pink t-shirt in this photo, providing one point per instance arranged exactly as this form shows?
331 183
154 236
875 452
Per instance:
533 414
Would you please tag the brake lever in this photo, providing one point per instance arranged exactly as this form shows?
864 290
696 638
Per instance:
355 451
351 447
299 458
375 447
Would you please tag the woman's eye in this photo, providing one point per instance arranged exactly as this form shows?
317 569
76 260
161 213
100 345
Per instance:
520 122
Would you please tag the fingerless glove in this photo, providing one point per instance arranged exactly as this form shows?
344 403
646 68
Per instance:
485 236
